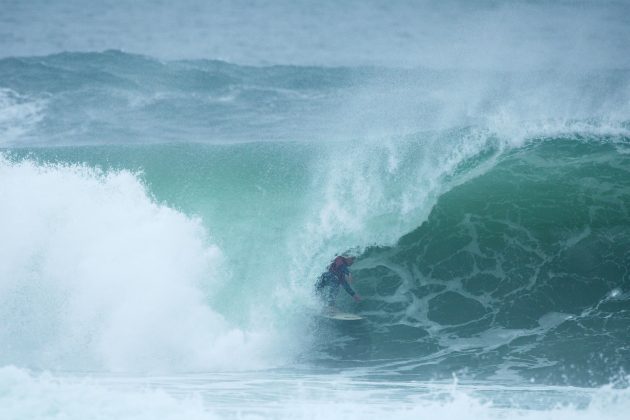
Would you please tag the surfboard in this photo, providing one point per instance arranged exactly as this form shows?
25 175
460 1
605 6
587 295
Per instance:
341 316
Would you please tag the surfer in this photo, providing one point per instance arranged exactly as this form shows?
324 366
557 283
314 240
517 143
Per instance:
338 274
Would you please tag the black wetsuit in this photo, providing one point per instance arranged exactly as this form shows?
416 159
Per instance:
328 284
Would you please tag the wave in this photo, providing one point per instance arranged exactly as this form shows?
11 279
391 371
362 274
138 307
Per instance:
476 257
521 270
489 210
118 98
96 275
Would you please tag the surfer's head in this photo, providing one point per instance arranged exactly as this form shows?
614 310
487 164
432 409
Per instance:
340 261
349 260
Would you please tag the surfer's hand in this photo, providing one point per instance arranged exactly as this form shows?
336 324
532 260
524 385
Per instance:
356 297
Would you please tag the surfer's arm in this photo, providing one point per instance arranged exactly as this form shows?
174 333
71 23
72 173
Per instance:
345 282
349 289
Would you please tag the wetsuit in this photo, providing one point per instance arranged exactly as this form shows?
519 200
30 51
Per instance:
328 284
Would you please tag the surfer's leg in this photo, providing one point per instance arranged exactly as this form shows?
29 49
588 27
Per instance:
331 295
322 288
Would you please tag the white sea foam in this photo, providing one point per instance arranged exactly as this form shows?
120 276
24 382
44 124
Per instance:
18 115
94 275
45 396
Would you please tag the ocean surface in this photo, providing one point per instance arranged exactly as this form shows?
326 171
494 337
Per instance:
175 177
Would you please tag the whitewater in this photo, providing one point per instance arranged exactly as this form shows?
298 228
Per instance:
173 181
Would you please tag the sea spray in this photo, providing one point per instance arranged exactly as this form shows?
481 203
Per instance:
96 275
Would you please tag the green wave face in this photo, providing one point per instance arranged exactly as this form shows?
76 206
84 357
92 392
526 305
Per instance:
517 263
522 269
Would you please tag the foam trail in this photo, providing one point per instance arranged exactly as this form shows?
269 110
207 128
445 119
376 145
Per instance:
95 275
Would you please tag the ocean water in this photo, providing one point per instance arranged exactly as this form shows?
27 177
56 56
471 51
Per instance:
174 179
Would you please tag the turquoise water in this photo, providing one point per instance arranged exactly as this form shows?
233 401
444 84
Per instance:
167 206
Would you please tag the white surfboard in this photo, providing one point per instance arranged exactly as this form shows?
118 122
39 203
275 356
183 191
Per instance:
341 316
